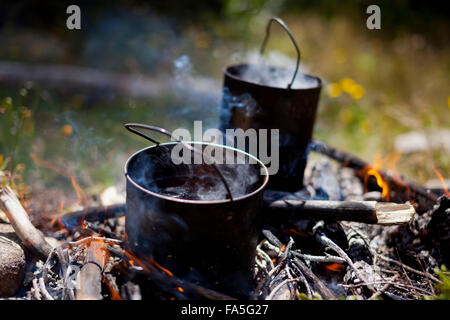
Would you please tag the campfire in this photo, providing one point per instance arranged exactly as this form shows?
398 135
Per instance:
327 225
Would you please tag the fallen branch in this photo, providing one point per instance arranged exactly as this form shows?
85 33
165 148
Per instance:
31 237
372 212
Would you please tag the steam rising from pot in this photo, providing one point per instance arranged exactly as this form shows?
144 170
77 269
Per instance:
263 71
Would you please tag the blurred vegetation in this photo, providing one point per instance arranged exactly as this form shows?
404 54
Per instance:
444 286
378 83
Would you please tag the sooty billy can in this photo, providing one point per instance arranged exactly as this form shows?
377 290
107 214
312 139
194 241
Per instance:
200 221
254 97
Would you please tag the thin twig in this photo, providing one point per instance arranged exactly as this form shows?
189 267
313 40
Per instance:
43 289
409 268
302 277
395 284
323 259
277 288
321 288
330 243
383 289
36 291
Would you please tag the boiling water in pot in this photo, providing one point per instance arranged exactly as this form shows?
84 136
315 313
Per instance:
207 186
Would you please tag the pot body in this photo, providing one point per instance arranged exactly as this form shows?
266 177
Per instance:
210 242
293 111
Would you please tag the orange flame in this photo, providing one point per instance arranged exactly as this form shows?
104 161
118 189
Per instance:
146 265
114 294
442 180
381 183
47 165
81 197
167 271
335 267
57 218
388 162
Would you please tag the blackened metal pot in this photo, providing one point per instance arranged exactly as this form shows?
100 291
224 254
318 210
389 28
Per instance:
212 242
246 104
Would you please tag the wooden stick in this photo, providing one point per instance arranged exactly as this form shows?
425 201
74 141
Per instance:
400 189
371 212
90 285
18 217
320 286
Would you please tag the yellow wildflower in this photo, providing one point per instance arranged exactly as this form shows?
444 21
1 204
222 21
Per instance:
347 84
357 91
334 90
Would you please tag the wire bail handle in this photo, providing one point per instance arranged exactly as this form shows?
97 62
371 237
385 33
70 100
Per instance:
131 127
266 38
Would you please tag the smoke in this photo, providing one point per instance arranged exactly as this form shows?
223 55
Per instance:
198 97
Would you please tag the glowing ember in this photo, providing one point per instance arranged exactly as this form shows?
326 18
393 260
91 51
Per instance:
297 232
335 267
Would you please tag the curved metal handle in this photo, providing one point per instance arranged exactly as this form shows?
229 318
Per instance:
285 27
130 127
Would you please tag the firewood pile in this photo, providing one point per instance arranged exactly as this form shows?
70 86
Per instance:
315 244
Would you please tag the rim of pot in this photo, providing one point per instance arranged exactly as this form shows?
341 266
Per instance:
240 65
262 165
